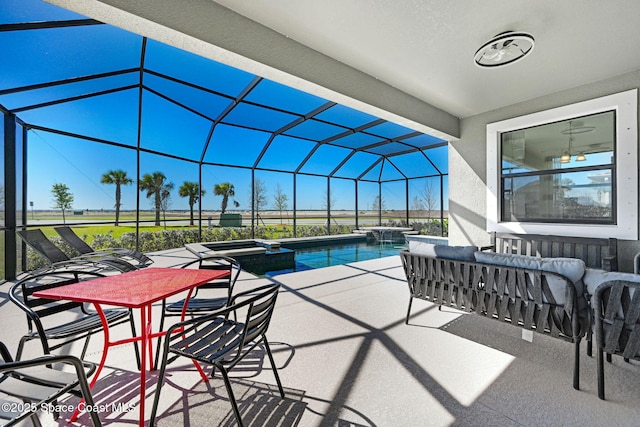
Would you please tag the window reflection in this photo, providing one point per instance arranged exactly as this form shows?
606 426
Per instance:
560 171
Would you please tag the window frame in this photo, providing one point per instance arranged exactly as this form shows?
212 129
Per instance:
551 171
625 204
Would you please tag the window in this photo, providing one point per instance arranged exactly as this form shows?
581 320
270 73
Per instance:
567 171
559 172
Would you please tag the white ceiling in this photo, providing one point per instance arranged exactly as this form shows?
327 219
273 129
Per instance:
425 47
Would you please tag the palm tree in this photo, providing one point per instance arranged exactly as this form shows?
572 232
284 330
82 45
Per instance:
154 185
193 192
225 190
119 178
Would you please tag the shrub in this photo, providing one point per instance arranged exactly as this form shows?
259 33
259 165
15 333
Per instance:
169 239
432 227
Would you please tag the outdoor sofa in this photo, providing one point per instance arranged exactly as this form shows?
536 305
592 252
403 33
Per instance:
545 294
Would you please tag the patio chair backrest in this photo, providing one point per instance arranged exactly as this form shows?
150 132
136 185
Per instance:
69 236
259 311
21 293
227 341
43 385
616 309
37 240
197 305
219 263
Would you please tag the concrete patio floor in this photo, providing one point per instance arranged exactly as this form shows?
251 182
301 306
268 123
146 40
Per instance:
346 358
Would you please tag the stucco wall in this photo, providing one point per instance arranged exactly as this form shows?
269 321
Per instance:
467 162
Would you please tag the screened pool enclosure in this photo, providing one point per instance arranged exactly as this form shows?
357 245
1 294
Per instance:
85 102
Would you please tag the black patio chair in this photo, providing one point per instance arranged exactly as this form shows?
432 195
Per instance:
201 305
37 240
216 340
34 384
139 259
616 307
61 320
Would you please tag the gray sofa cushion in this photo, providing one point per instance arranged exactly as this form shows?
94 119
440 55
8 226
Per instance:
573 268
459 253
509 260
593 277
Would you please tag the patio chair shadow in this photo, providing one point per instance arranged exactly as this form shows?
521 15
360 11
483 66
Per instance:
116 395
259 403
199 403
207 404
192 402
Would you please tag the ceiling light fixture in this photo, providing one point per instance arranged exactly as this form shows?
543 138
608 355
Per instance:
573 130
503 49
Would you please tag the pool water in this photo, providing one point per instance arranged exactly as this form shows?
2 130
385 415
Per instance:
326 256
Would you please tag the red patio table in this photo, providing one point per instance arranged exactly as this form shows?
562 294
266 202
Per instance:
137 289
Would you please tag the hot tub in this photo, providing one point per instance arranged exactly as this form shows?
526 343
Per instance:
256 256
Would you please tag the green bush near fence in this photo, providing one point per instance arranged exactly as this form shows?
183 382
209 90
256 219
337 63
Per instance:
153 241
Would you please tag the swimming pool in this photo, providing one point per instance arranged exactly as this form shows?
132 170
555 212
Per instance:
326 256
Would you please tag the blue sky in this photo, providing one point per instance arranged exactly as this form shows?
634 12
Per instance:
80 165
40 56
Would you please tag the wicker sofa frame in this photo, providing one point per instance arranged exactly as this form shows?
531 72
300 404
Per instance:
496 291
518 296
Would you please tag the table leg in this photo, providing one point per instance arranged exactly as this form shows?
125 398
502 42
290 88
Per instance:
105 345
143 363
105 348
150 337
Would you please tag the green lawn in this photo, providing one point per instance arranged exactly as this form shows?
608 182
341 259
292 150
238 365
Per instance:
116 232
